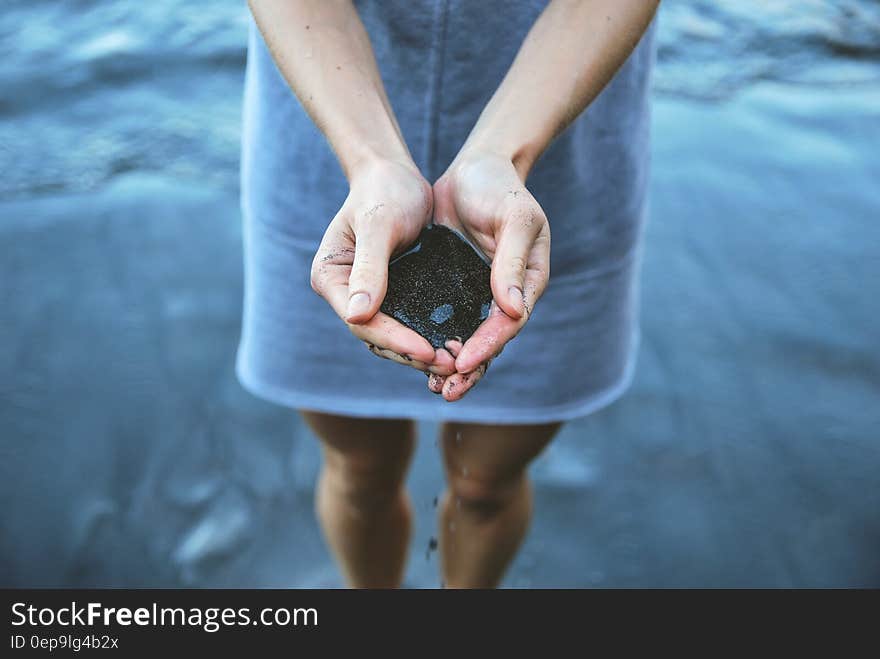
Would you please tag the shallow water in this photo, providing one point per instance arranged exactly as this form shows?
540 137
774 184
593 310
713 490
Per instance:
746 452
711 49
93 88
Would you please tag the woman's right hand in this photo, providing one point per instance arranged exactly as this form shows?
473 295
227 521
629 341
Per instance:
388 205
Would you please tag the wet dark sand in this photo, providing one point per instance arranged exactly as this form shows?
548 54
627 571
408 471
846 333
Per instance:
747 452
439 287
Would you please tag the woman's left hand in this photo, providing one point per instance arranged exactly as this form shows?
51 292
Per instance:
482 196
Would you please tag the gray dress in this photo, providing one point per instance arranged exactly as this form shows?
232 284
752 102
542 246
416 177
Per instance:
441 60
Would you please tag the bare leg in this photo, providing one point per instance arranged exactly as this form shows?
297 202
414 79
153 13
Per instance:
360 500
485 512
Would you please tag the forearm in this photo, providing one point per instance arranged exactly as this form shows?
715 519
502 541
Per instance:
324 53
568 57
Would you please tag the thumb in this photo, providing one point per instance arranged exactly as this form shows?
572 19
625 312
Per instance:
509 267
369 273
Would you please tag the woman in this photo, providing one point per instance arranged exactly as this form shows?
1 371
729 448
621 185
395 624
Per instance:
479 91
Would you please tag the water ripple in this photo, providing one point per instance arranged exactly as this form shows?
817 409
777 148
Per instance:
93 88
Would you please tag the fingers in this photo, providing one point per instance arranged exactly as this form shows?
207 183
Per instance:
368 280
489 339
388 334
458 384
442 365
500 327
518 235
453 346
435 383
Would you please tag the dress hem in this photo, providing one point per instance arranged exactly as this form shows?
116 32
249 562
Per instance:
430 411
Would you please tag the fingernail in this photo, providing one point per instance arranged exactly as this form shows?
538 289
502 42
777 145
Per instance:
515 295
358 304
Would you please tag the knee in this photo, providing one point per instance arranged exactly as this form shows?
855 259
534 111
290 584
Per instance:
485 492
364 482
